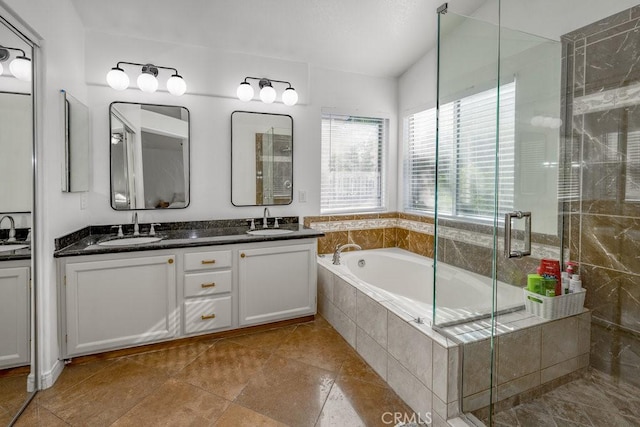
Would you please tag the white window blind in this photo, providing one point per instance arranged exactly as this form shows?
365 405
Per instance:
467 147
352 163
632 180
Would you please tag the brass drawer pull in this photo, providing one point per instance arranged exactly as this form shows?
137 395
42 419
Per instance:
207 317
208 261
242 255
208 285
170 261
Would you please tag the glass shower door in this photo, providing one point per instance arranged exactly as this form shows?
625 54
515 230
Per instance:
529 209
497 208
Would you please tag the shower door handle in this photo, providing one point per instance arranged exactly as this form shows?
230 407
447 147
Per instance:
508 253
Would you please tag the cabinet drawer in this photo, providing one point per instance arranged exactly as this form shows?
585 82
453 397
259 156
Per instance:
207 283
207 314
207 260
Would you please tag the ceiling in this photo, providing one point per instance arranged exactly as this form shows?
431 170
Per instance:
373 37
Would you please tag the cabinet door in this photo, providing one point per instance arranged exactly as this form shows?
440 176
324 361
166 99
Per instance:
14 317
120 303
277 283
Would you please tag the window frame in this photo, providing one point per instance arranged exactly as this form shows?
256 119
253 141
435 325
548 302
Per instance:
382 166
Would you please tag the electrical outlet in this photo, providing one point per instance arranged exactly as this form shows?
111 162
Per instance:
302 196
84 201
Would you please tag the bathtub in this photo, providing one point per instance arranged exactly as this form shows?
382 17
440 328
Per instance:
381 302
405 280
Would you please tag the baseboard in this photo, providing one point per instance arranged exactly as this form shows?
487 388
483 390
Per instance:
31 382
49 378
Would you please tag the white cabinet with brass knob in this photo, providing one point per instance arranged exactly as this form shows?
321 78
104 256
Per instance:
111 301
14 313
277 282
118 302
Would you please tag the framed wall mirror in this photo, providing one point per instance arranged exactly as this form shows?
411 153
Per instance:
149 156
76 144
261 159
18 368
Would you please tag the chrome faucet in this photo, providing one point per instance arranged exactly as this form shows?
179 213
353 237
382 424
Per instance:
265 215
339 249
136 227
12 229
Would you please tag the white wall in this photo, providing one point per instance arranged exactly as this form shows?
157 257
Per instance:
60 66
16 148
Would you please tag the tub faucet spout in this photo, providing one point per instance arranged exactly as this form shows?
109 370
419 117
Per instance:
339 249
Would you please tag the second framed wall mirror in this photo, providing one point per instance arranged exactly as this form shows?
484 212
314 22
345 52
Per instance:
261 159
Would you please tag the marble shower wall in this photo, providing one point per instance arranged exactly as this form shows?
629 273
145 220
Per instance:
602 179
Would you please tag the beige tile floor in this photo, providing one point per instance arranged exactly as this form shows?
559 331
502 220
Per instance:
300 375
13 393
597 400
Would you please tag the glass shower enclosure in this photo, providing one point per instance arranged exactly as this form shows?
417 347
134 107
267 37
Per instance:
498 208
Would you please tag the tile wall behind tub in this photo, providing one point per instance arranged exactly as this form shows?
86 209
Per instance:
603 227
464 245
374 231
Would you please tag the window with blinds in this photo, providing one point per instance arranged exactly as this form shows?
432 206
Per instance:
352 163
467 148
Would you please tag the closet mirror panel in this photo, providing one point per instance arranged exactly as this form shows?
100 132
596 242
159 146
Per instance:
17 368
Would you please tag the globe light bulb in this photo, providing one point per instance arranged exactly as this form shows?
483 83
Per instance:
176 85
268 94
20 67
1 69
118 79
290 96
147 82
245 92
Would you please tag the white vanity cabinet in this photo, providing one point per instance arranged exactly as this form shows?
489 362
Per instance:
208 281
14 313
119 302
277 282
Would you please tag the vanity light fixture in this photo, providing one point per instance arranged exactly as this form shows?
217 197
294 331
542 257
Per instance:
20 67
267 92
147 80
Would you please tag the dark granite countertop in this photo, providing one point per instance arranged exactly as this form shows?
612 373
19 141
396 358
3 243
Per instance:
18 254
21 237
175 235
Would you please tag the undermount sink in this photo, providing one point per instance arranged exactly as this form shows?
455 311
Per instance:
130 241
7 248
269 232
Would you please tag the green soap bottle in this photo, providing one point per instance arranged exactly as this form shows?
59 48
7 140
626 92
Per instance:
550 287
534 284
